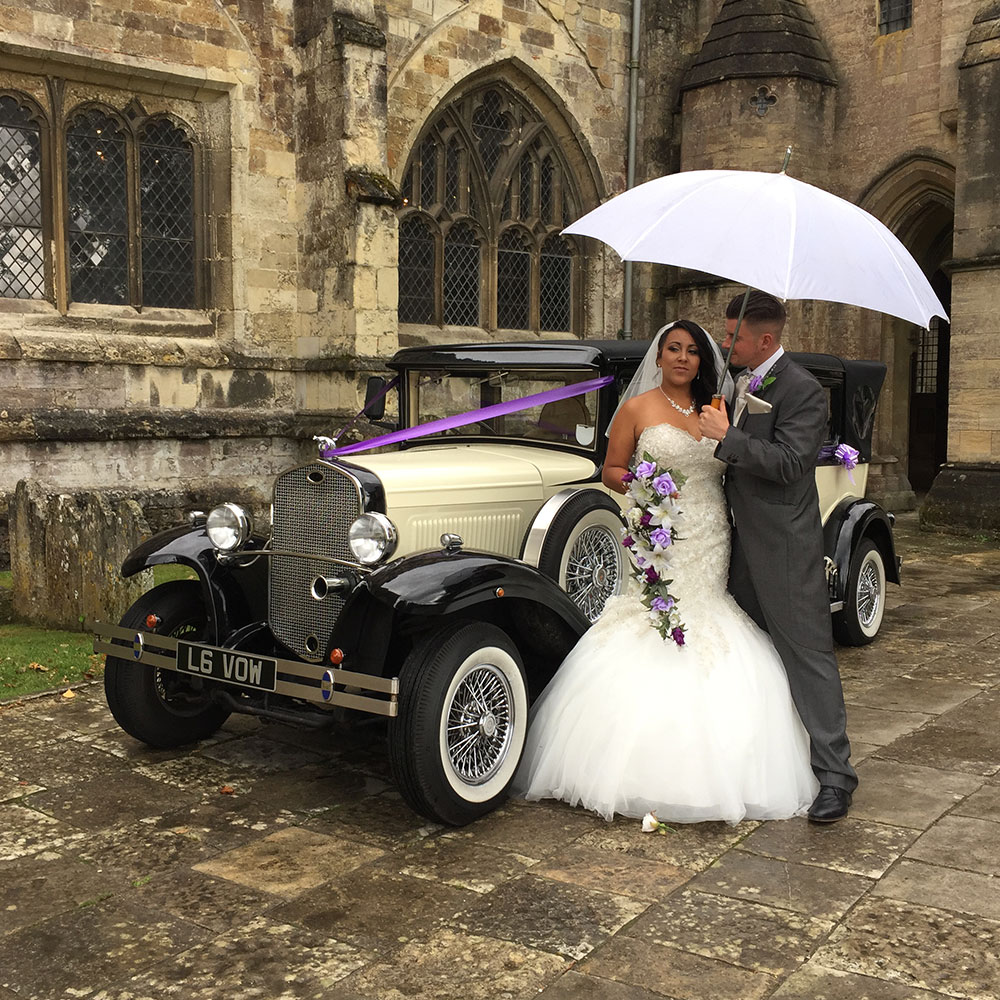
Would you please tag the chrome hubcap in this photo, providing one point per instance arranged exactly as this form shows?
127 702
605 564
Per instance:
592 570
869 594
480 724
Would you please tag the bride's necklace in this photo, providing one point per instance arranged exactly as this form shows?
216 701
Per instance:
680 409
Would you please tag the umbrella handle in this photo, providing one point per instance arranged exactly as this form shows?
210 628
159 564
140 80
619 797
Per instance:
717 401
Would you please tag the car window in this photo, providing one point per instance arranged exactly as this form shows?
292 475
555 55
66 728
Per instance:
438 394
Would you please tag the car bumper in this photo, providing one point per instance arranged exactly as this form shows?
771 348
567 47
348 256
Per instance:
326 687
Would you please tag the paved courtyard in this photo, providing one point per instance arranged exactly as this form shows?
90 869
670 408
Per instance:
275 863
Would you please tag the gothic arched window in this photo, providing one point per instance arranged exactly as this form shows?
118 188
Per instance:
485 193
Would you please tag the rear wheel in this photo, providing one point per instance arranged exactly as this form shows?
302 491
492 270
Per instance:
162 707
462 723
864 600
583 552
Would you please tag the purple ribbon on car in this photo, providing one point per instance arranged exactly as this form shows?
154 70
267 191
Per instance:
843 453
471 417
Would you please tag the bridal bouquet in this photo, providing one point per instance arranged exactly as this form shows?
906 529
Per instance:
652 517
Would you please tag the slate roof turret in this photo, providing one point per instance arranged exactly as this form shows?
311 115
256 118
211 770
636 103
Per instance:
761 38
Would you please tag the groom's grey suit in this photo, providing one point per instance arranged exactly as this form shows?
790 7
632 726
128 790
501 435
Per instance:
776 571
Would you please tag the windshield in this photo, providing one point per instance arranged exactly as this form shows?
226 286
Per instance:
438 394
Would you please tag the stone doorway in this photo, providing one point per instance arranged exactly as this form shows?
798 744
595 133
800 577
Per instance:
929 363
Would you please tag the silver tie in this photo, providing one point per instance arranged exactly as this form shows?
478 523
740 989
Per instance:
740 402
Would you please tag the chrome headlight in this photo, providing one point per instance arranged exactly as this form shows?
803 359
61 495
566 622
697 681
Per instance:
372 538
228 527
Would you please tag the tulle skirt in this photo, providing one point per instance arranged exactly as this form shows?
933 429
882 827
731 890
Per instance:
632 724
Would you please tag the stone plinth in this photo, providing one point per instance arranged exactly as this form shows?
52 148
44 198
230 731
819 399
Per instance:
66 554
963 500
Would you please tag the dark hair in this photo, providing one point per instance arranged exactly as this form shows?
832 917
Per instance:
761 308
706 382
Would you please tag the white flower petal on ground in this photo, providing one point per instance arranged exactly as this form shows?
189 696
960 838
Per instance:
650 824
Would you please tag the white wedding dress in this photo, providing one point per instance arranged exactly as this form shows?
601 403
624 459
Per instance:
633 723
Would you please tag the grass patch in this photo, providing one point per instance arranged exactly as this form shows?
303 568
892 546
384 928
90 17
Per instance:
34 658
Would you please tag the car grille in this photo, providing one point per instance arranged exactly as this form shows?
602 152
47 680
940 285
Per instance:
314 506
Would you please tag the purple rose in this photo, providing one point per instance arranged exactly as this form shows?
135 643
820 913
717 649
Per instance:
628 477
755 383
678 636
628 541
645 469
646 518
660 537
664 485
659 604
652 576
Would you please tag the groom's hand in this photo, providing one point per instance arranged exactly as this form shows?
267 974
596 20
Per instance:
713 423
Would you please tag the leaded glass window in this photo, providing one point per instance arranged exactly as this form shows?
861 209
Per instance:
513 281
166 208
484 161
894 15
416 271
22 254
554 278
128 233
97 227
461 276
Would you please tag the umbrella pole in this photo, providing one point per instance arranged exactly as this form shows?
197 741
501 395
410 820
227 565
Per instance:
719 396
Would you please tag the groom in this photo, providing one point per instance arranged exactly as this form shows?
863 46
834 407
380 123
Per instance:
776 570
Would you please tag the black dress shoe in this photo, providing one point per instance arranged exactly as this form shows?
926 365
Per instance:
830 805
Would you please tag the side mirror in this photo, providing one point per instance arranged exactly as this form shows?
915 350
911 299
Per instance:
374 407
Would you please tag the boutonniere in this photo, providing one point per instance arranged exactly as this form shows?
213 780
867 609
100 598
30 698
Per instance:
759 382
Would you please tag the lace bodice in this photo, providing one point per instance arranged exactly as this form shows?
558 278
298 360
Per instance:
700 559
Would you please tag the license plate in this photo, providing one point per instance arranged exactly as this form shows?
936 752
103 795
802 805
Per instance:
228 665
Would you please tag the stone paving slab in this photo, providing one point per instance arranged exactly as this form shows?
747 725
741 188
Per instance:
278 863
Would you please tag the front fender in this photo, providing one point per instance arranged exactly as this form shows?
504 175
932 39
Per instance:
452 582
228 589
418 590
851 521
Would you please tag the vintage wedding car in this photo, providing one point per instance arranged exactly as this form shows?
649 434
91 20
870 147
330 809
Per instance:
440 583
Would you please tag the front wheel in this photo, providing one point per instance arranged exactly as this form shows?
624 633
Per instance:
162 707
864 600
462 723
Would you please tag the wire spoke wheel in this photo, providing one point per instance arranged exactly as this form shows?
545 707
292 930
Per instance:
583 553
462 722
869 595
593 570
479 724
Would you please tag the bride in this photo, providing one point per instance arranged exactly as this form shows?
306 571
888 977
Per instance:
633 723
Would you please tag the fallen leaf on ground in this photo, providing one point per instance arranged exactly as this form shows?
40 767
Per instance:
37 666
227 790
69 693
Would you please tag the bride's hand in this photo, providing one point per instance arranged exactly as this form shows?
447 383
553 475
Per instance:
713 423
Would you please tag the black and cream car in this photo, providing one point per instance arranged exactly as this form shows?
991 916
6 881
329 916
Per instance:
439 584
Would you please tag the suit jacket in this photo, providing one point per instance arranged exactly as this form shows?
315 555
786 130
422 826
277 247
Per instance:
771 488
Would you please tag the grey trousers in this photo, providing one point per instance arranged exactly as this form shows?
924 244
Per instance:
813 678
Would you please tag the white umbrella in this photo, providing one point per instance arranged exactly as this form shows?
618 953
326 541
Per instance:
766 231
